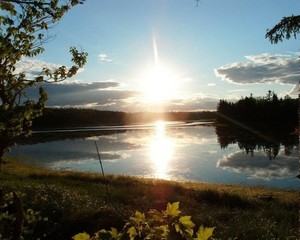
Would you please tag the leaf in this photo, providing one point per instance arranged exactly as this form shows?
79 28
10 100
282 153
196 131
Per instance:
186 221
204 233
163 229
114 233
132 233
81 236
177 227
138 217
173 209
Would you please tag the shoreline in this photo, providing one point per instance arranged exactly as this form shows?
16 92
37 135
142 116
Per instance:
76 202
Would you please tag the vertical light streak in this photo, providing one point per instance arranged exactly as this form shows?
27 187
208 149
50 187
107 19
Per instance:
155 52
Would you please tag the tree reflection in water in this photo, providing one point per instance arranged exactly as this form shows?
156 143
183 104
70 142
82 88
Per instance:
268 140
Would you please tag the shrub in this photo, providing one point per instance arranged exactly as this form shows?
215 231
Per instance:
154 225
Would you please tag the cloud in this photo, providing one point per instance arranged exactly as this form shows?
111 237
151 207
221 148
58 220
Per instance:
102 95
196 102
211 84
104 58
97 94
193 103
111 95
237 90
263 68
260 167
33 67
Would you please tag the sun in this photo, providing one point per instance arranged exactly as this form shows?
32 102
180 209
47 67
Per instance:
158 85
158 82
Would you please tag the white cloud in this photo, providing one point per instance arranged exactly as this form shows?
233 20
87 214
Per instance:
211 84
237 90
33 67
104 58
263 68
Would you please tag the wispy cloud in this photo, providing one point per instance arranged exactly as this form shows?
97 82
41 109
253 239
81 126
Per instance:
104 58
193 103
237 90
263 68
34 67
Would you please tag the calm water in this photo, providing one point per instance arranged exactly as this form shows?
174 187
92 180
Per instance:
174 151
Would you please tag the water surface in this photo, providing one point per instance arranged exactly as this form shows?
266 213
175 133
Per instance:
174 151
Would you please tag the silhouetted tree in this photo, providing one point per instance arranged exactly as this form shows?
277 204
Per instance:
23 31
261 112
288 27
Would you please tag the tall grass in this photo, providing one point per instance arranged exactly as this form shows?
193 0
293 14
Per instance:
75 202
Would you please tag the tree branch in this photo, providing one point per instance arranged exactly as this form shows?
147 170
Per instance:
25 2
288 27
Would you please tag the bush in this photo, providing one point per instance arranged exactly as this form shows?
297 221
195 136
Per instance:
154 225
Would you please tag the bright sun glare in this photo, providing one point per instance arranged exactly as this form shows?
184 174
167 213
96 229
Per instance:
161 151
158 81
158 86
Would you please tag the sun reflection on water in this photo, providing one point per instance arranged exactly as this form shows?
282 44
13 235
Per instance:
161 151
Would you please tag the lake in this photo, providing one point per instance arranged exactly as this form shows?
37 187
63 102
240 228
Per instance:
195 151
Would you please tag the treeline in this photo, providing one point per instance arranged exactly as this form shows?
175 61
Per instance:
74 117
265 111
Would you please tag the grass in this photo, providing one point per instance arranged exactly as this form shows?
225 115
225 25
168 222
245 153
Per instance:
75 202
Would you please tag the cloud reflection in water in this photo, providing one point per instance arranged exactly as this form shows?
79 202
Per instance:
261 167
173 153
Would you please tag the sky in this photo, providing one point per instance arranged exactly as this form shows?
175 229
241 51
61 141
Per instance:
171 55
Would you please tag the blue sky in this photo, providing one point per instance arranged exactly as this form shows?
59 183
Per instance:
155 55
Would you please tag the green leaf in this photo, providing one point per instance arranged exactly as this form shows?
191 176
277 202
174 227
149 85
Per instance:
177 227
138 217
204 233
186 221
81 236
114 233
164 229
132 233
173 209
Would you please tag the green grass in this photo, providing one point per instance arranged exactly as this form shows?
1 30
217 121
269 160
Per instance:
76 202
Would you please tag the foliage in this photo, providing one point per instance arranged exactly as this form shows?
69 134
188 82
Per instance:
261 111
24 28
14 219
168 224
76 117
77 202
288 27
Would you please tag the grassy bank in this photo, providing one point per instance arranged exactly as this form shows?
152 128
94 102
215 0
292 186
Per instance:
70 202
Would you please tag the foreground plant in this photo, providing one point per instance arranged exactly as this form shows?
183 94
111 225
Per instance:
17 221
154 225
24 29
